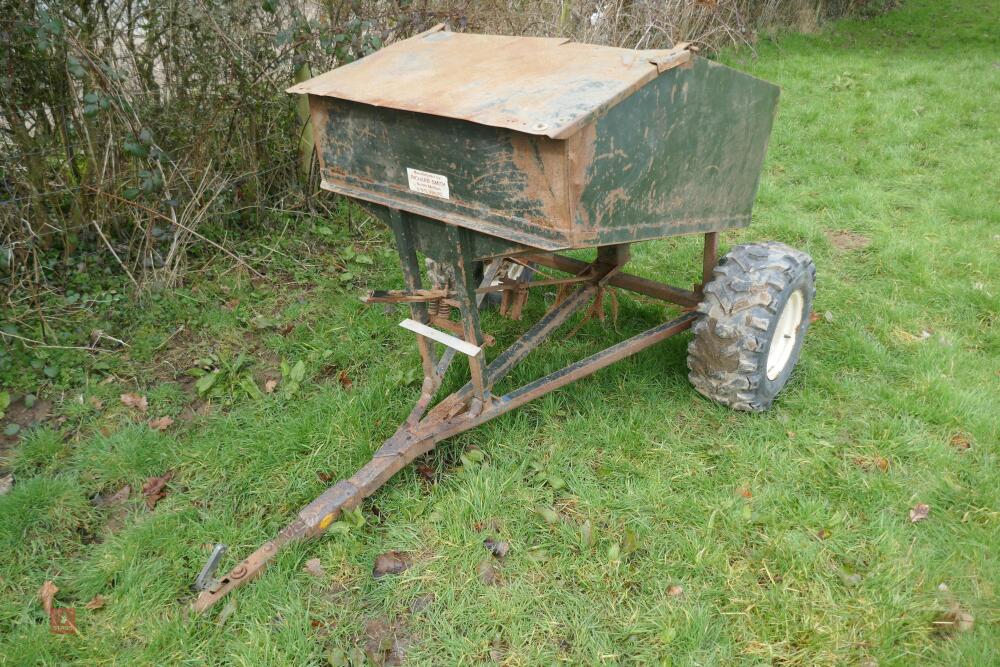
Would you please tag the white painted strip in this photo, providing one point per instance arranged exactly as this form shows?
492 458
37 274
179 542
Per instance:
441 337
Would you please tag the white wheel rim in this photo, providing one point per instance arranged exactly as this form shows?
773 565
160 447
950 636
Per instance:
786 334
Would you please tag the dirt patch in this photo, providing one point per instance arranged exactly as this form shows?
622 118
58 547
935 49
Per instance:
847 240
386 642
25 417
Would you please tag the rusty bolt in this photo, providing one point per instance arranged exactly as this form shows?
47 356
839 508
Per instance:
239 571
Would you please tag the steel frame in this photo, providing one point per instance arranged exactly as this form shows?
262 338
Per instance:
474 403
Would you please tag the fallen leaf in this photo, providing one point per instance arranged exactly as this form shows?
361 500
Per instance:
823 533
314 567
324 476
426 472
919 512
813 317
391 562
154 487
6 484
745 492
95 603
47 592
269 386
487 573
161 424
961 441
872 463
135 401
955 620
675 591
345 381
498 548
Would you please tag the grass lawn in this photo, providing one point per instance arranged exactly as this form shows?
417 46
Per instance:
672 530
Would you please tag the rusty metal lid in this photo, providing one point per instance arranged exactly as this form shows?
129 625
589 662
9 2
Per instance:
537 85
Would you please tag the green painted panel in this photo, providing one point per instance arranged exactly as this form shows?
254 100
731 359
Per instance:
431 237
496 178
681 155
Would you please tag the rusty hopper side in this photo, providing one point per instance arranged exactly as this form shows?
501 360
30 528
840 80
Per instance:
544 142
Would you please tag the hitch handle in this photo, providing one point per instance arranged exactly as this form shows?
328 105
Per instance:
206 578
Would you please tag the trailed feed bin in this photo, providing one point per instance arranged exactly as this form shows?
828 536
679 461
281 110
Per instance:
489 155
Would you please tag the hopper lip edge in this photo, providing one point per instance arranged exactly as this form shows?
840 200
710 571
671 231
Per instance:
559 132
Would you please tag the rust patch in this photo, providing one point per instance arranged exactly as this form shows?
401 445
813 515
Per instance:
538 85
581 149
615 196
542 161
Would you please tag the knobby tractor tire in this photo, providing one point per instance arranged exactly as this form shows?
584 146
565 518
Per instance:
754 316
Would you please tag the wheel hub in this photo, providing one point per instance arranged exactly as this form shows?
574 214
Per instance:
786 334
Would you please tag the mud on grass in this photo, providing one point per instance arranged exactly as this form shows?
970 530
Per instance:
641 521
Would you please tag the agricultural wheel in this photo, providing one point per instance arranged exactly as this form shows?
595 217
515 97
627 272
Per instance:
754 316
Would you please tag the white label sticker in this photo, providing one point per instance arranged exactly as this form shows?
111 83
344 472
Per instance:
427 183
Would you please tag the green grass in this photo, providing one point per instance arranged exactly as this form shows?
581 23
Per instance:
887 129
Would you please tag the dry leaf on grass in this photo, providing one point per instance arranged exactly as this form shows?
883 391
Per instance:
391 562
161 424
47 593
6 484
345 380
961 441
154 488
919 512
269 385
675 591
745 492
96 603
135 401
499 548
314 568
